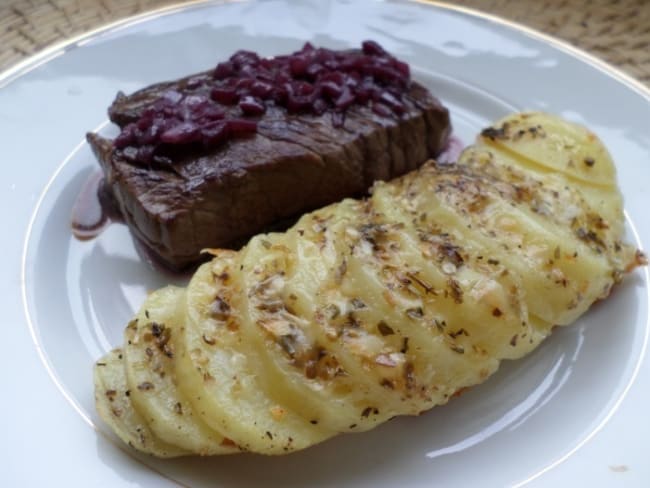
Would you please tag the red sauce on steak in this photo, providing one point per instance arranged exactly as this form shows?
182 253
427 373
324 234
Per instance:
213 109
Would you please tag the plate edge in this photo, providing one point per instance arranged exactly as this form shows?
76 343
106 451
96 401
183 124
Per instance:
22 68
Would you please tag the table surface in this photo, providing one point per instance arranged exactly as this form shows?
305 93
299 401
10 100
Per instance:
616 31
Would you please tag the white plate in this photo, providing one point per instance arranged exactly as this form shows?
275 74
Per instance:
574 409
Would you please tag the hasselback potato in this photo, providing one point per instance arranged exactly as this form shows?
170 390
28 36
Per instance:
368 309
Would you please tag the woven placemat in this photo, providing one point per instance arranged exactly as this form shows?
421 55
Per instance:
617 31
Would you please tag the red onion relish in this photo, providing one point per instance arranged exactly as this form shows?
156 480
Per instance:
209 111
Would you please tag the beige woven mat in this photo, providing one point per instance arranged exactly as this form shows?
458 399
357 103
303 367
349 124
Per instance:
617 31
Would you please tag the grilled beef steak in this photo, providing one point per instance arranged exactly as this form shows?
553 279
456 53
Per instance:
200 196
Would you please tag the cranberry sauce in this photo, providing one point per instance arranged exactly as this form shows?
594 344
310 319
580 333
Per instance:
94 209
451 151
227 105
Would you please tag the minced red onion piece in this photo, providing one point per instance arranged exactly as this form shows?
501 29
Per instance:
227 105
251 105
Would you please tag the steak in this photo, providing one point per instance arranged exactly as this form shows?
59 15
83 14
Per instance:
219 196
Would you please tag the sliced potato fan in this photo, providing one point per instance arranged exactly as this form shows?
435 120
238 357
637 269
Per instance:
113 403
148 360
369 309
221 377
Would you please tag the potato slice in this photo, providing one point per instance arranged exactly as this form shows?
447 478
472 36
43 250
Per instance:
148 360
113 403
301 365
538 140
218 372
